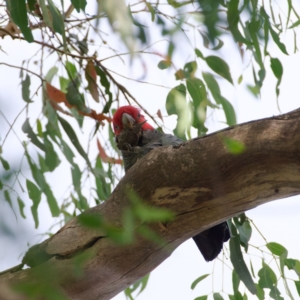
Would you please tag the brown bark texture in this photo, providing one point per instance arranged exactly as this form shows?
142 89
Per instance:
200 181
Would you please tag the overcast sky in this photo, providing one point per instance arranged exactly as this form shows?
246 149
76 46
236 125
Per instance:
278 221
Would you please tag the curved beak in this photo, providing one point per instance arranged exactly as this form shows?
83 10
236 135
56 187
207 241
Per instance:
127 120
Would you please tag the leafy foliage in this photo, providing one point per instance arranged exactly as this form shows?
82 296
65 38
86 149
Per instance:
79 90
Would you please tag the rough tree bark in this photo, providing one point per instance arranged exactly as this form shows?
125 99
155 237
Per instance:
200 181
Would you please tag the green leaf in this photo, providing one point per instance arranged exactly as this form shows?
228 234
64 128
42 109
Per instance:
213 86
26 128
18 13
31 4
25 89
52 203
73 137
79 4
1 185
5 164
176 104
234 146
197 90
297 23
7 198
50 74
71 70
297 283
46 17
276 39
276 248
190 68
277 69
151 10
233 18
105 83
235 282
147 213
51 159
219 66
238 262
68 153
201 298
217 296
58 22
260 292
39 128
199 53
35 195
267 277
199 279
21 207
229 111
164 64
245 231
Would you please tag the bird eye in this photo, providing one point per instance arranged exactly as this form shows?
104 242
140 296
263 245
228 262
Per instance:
116 126
139 115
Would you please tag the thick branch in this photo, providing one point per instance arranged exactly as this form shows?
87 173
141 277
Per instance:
200 181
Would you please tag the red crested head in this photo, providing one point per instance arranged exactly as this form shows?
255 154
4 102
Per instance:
126 116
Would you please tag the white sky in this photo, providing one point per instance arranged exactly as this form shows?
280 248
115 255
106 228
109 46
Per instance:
278 221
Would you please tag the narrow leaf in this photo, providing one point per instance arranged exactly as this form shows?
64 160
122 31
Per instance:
25 89
18 13
91 77
199 279
239 264
164 64
79 4
58 22
276 248
21 207
219 66
5 164
31 135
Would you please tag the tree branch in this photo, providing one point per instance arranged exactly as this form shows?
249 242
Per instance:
199 180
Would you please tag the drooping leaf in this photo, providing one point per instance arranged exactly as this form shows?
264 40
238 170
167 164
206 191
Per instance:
34 194
7 198
233 146
25 89
217 296
276 248
238 262
79 4
31 135
219 66
105 83
58 22
164 64
91 77
233 17
199 279
297 284
201 298
73 137
5 163
276 39
297 23
74 97
18 13
176 105
51 159
21 207
277 69
46 17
